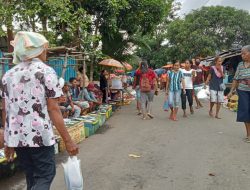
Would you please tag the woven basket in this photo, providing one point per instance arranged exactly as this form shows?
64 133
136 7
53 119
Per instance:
77 133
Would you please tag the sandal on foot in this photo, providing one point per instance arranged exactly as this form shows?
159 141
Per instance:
247 139
211 114
151 116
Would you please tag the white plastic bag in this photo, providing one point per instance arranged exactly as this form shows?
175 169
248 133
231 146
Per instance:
203 94
73 174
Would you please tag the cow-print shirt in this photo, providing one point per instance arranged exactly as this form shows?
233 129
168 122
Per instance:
25 90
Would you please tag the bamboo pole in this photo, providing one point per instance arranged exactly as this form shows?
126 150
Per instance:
65 65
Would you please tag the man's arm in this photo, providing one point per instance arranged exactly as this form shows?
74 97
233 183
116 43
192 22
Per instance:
57 119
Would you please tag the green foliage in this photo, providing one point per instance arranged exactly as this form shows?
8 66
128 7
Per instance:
207 30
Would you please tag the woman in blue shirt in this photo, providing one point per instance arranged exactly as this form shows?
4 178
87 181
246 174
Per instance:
173 89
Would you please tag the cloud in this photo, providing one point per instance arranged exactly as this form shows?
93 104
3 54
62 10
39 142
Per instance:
189 5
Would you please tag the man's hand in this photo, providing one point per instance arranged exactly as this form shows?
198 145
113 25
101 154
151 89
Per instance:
72 148
9 153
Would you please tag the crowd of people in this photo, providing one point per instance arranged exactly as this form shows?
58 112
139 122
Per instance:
33 99
182 85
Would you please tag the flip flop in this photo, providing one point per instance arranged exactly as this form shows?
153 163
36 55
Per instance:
151 116
211 114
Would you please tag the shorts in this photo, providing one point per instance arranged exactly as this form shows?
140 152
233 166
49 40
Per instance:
197 88
243 113
138 93
216 96
147 96
174 98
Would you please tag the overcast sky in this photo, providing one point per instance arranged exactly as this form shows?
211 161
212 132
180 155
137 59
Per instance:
188 5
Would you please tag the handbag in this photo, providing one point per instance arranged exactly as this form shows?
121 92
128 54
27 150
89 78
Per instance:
222 87
166 105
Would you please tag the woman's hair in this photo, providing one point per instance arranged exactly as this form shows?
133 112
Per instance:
247 47
190 61
72 79
103 71
176 62
80 69
216 59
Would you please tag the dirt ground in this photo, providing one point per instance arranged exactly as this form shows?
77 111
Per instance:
194 153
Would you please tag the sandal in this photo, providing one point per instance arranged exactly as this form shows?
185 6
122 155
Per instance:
247 140
151 116
211 114
217 117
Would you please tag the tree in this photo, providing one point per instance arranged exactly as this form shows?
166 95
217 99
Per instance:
207 30
134 18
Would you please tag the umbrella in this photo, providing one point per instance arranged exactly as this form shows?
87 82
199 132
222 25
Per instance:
159 71
127 66
167 66
119 71
111 63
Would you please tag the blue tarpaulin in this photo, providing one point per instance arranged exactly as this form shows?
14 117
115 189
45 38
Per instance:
56 64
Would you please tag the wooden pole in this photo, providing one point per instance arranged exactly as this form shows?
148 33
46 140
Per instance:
65 65
84 71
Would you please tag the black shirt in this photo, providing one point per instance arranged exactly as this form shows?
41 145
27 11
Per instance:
103 82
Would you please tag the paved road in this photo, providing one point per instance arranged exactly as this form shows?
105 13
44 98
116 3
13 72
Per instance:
195 153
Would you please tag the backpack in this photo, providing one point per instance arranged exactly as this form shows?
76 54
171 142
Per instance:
145 83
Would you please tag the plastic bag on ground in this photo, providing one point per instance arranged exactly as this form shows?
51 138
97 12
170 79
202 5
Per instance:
203 94
73 174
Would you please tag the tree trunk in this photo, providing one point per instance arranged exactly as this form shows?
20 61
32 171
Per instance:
44 24
33 24
91 74
95 46
10 37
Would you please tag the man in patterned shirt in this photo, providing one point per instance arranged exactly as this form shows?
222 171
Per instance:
30 109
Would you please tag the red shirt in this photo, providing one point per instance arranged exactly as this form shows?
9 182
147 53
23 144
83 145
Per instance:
199 75
151 75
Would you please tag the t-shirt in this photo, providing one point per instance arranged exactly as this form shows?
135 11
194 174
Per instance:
151 75
188 78
25 90
103 82
164 77
215 81
242 75
175 80
199 75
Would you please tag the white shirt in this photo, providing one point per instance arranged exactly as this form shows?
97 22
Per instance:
188 78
